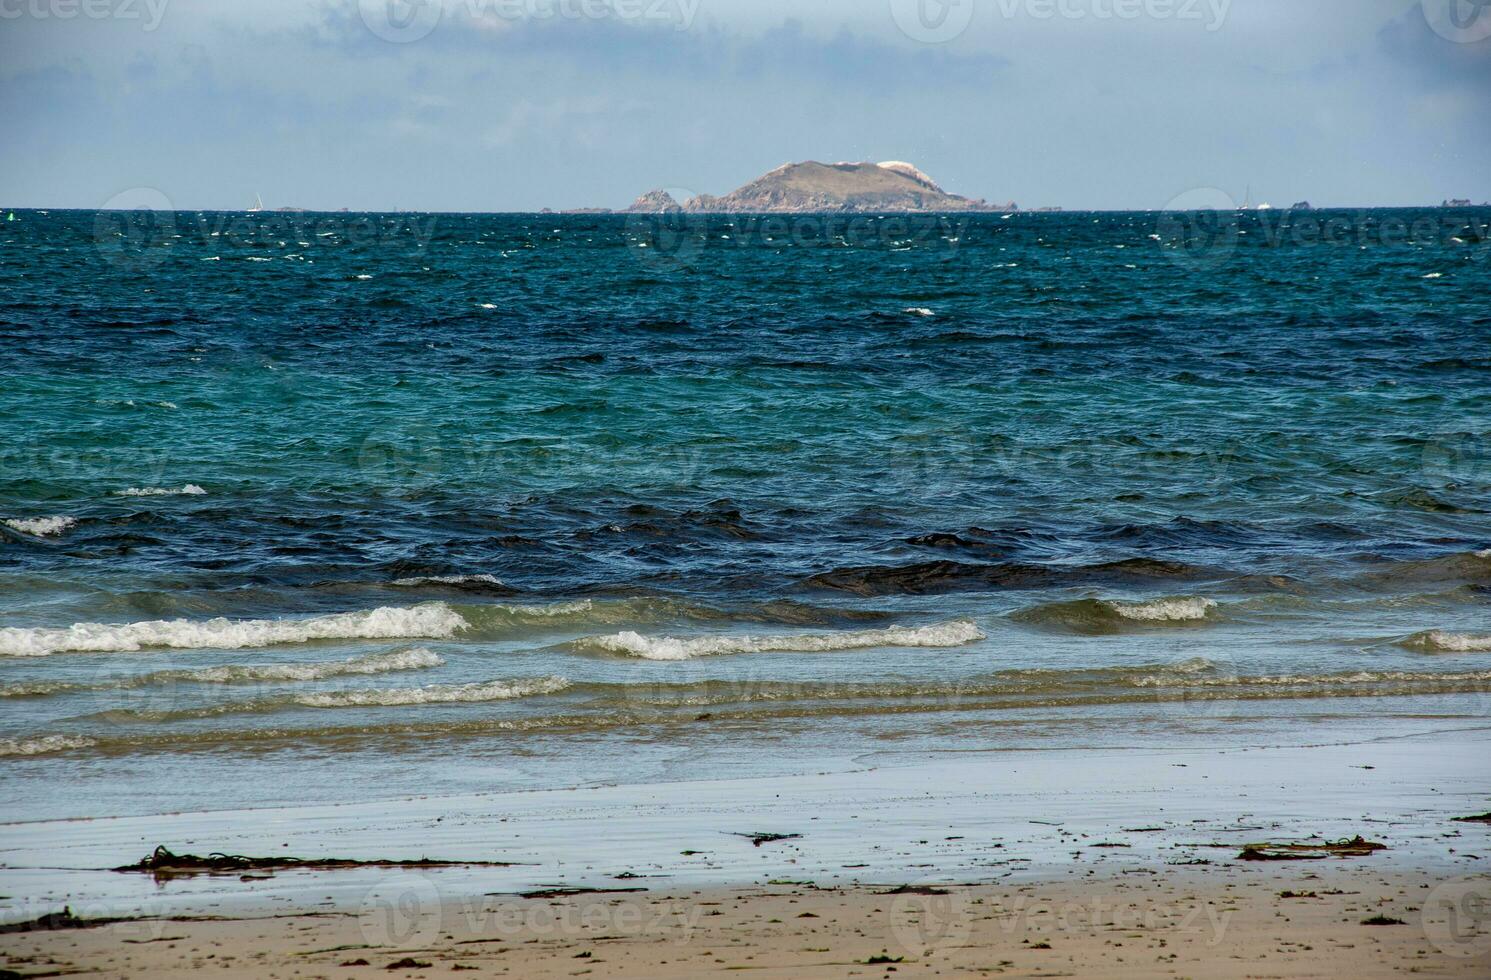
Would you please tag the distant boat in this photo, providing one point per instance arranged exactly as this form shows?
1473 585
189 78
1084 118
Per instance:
258 204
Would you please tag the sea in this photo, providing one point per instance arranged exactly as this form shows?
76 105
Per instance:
307 507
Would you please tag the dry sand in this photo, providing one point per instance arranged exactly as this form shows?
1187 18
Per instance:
1223 920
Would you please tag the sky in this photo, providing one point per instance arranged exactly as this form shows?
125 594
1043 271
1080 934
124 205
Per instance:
514 105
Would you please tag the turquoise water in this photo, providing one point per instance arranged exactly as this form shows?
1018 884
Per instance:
292 503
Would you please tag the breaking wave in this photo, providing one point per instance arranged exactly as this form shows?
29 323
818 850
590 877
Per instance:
431 619
419 580
44 744
1438 641
376 663
632 644
186 490
387 697
1105 616
41 526
935 577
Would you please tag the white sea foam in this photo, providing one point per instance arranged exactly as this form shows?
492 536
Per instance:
435 694
1167 610
918 311
1439 641
43 744
378 663
431 619
375 663
446 580
187 490
42 526
632 644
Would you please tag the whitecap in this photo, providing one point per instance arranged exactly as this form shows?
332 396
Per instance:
435 694
432 619
1441 641
629 643
187 490
1167 610
446 580
43 744
918 311
41 526
377 663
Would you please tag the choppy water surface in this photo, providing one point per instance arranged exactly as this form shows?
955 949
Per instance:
293 503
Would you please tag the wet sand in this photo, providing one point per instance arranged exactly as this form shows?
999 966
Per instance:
1126 862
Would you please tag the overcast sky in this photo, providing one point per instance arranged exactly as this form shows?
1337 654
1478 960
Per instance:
490 105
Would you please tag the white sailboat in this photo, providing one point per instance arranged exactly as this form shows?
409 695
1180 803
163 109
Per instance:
258 203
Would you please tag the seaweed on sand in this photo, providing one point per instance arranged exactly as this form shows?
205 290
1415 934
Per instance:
163 863
1310 850
57 920
759 839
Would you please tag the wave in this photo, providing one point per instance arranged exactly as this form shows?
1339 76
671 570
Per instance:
376 663
435 694
767 704
186 490
386 697
1106 616
633 644
1438 641
419 580
43 744
41 526
431 619
1468 566
934 577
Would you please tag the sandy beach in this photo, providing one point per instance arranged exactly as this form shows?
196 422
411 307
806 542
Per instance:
1221 921
970 865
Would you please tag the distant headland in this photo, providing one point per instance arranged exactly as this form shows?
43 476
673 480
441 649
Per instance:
813 187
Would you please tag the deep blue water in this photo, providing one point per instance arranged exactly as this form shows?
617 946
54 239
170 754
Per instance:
733 427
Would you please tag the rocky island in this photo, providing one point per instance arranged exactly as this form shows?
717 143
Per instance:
814 188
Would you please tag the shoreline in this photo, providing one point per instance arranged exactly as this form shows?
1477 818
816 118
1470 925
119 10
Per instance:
1123 862
948 817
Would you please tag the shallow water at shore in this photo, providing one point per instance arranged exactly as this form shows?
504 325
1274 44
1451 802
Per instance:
516 504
